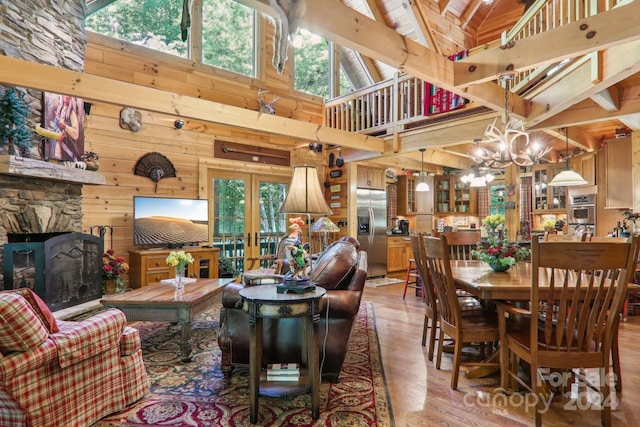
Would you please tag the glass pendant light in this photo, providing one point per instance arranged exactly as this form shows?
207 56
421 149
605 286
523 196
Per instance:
422 185
567 178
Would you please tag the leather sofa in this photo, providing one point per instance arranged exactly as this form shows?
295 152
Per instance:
63 373
342 270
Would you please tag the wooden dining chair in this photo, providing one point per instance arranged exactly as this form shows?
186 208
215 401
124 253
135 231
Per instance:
552 237
428 293
615 350
577 293
463 327
461 243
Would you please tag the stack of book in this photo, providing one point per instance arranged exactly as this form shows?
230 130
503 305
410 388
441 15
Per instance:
283 372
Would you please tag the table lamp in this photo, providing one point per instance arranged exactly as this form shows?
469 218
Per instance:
304 196
324 226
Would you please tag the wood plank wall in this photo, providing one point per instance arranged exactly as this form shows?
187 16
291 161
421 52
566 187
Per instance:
119 149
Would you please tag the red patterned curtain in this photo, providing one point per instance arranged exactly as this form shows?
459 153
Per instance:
483 202
526 206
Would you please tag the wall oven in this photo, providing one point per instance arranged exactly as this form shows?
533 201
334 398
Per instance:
582 210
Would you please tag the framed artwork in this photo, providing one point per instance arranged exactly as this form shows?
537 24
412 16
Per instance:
65 114
460 220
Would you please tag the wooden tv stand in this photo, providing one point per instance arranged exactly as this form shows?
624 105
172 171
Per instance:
150 265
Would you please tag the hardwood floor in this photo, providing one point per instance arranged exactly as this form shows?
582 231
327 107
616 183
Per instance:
420 394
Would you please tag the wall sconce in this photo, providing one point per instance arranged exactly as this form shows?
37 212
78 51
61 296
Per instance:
314 146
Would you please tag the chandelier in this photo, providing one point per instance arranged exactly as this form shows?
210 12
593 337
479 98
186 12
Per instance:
477 179
501 148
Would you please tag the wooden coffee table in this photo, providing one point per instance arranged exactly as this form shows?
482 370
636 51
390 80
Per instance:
158 302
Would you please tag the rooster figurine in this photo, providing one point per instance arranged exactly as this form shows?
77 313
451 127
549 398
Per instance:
296 255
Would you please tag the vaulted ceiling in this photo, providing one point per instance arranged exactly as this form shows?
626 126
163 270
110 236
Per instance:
597 92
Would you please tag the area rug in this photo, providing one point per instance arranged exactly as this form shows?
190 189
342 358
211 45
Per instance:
197 394
381 281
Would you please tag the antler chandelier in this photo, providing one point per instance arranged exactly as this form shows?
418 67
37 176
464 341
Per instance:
500 148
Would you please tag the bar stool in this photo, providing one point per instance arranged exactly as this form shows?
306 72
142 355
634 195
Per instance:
412 279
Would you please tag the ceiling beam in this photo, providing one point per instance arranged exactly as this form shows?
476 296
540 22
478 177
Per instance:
608 99
587 111
598 32
576 84
334 21
18 72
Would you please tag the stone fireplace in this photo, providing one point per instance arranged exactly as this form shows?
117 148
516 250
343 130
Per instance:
41 239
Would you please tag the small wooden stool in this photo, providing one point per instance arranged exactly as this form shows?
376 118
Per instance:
412 279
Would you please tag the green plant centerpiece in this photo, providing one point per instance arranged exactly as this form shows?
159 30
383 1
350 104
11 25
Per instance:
14 128
499 254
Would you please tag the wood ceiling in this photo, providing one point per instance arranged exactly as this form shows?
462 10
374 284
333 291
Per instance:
415 36
380 37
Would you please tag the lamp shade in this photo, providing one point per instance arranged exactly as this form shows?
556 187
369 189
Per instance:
305 195
422 186
324 225
567 178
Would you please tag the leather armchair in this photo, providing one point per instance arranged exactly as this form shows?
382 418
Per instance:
342 270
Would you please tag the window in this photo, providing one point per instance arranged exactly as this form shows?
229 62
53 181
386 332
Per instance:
311 74
153 23
228 30
229 36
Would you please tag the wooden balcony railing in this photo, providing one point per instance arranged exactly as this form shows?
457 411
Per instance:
545 15
387 106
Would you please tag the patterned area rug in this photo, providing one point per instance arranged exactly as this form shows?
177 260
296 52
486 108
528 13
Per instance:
382 281
197 394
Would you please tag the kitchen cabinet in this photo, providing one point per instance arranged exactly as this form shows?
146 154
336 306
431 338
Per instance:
619 175
370 178
398 253
545 197
453 196
147 266
407 195
585 165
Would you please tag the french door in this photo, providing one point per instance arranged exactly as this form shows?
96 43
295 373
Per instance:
245 218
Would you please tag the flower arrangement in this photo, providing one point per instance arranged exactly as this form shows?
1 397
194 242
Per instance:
179 260
549 224
500 255
113 268
493 221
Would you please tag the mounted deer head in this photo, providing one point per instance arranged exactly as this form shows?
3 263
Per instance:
266 107
289 14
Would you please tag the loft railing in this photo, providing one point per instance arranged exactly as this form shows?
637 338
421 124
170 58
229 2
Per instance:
545 15
401 100
391 102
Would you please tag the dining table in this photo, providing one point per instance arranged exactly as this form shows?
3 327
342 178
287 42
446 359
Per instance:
514 285
479 279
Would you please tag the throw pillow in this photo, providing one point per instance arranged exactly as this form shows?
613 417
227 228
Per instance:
39 307
20 327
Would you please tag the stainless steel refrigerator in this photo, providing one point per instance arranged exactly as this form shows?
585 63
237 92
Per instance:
372 228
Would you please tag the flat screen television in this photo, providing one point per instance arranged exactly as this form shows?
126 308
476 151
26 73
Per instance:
170 222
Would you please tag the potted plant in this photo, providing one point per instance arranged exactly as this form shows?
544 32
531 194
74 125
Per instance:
14 130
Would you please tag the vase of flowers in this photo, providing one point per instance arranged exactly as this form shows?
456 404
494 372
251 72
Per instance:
179 260
113 268
491 223
549 225
499 254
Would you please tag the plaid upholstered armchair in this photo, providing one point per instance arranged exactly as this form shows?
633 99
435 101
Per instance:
59 373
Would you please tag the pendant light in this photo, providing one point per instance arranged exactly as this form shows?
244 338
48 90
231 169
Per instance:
422 185
567 178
